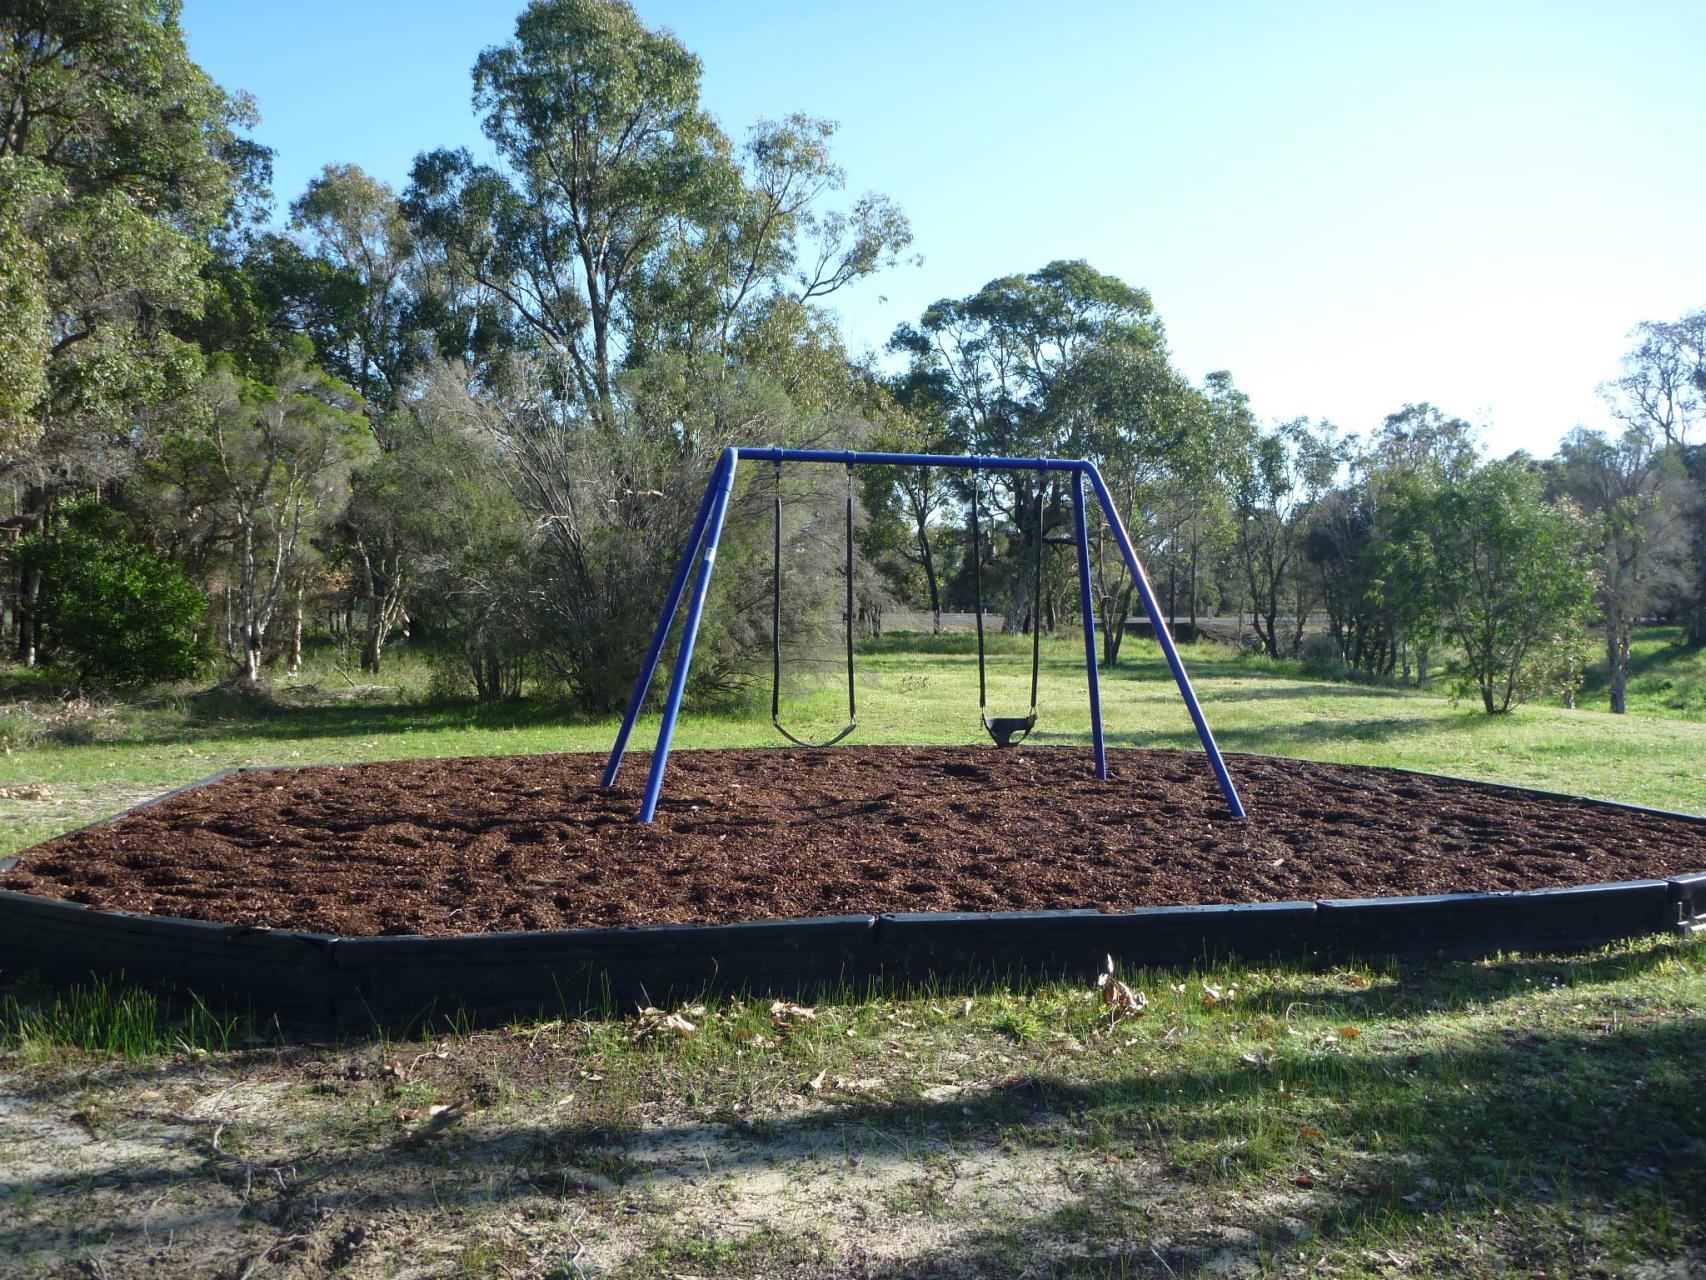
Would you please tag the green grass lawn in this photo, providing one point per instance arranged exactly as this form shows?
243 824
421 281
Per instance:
912 689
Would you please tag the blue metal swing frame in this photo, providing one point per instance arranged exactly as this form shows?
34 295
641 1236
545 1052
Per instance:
708 532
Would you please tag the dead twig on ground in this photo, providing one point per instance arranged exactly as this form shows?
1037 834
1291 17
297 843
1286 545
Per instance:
258 1260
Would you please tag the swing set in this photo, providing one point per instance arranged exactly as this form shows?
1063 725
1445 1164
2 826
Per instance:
1003 730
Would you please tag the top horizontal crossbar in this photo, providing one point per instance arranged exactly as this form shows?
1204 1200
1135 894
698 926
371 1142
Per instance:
958 461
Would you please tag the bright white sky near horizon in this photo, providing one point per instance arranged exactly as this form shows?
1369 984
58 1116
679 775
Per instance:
1350 206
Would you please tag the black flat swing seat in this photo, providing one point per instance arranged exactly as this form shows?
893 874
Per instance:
1010 731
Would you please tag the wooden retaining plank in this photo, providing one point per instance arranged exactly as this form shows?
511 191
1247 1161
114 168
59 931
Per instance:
499 975
272 970
1534 919
922 945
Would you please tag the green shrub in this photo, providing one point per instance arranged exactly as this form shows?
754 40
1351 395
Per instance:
113 611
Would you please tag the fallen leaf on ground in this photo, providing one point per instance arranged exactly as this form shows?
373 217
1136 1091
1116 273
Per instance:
1121 1000
788 1011
654 1020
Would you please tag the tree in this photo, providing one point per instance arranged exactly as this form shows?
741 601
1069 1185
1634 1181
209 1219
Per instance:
1515 582
1058 362
1371 543
354 222
113 611
25 319
278 459
1165 450
606 156
911 416
465 540
1662 391
119 158
119 161
1663 384
659 287
1285 474
1632 492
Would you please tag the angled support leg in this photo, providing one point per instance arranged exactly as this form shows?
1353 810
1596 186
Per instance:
654 654
1153 609
724 486
1087 605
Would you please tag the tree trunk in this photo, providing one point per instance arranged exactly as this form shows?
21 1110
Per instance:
1193 587
374 643
29 624
1114 611
252 656
930 577
1617 657
295 663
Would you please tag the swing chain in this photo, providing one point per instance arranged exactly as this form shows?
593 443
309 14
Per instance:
776 621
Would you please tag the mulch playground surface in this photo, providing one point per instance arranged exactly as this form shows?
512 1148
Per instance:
530 842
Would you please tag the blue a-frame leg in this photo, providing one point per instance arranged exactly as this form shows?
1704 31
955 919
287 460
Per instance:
1153 608
1087 606
643 685
707 533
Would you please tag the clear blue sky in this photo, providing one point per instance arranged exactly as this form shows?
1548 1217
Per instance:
1349 206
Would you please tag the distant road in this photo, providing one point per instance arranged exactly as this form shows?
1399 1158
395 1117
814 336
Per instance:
919 620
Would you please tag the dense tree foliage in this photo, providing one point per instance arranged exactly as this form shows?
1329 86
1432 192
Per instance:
112 610
119 161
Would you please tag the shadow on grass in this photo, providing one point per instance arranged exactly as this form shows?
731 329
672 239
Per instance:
1310 689
1460 984
217 715
1387 1138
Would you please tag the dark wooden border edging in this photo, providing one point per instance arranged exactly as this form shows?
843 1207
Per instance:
362 984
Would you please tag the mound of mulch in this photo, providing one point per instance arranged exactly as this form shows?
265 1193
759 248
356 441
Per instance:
530 842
